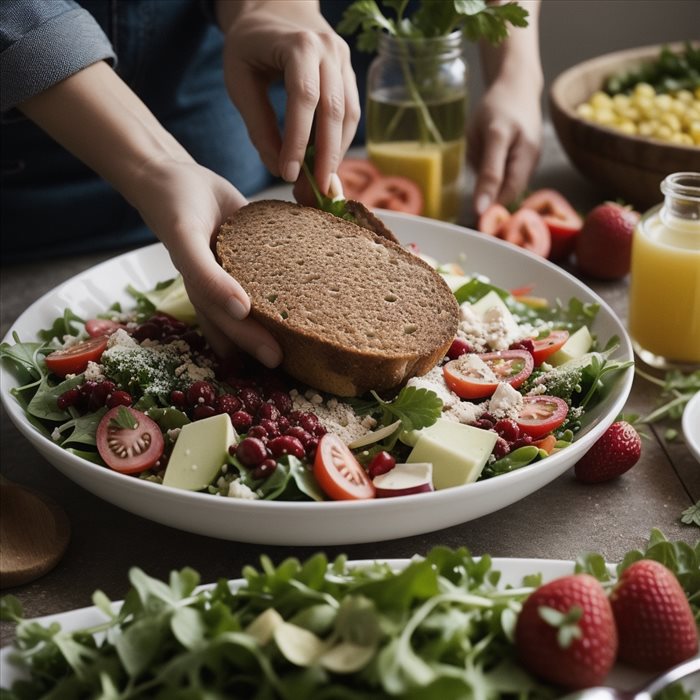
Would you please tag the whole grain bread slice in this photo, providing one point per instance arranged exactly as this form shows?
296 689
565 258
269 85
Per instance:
352 310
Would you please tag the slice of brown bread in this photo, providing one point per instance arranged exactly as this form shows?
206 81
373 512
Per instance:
352 310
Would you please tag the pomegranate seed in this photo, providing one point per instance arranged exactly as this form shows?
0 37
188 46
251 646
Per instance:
68 398
294 417
227 403
178 398
86 389
282 401
458 348
251 399
268 411
258 431
381 463
270 427
483 424
203 411
119 398
299 433
320 431
286 445
507 429
283 424
146 331
99 395
309 422
501 448
241 421
310 446
264 469
522 441
251 451
201 392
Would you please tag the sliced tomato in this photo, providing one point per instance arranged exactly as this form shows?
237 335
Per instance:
527 229
494 219
338 473
510 366
563 221
357 175
395 193
544 347
97 327
129 446
541 414
74 359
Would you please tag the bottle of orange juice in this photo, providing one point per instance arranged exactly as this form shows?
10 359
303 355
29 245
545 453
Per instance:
416 112
664 298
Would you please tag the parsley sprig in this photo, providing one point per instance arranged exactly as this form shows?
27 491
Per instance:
677 388
415 407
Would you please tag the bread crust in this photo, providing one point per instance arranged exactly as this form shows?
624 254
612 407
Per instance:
352 310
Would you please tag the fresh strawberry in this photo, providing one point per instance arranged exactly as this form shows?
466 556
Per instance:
617 451
654 621
566 634
604 246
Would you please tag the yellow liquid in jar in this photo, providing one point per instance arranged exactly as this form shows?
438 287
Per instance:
435 168
664 298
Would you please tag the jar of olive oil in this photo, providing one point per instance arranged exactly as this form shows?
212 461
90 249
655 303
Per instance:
415 116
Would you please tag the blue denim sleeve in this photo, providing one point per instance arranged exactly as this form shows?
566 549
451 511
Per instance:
42 43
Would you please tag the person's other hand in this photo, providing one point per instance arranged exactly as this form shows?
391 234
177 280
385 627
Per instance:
184 204
291 40
504 142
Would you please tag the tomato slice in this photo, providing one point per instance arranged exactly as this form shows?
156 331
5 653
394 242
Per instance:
357 175
541 414
544 347
494 219
393 192
97 327
527 229
466 379
338 473
563 221
129 441
74 359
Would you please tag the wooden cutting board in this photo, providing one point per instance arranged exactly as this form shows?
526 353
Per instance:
34 534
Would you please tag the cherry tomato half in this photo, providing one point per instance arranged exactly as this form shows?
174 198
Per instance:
510 366
129 449
395 193
493 220
544 347
541 414
527 229
357 175
74 359
97 327
562 219
338 473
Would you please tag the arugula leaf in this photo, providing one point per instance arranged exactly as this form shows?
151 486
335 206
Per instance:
24 358
337 207
44 403
83 429
415 408
63 325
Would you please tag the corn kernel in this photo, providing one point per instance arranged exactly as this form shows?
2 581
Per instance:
684 96
600 100
644 90
627 127
681 139
632 113
620 102
671 121
663 102
585 111
646 128
604 116
663 132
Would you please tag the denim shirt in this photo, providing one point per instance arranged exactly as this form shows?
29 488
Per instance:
169 53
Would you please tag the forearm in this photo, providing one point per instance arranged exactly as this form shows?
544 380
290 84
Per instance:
518 56
97 117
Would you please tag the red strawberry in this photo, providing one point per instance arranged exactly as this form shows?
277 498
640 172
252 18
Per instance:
566 633
654 620
616 451
604 246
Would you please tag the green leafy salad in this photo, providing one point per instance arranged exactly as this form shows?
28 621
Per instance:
140 391
440 627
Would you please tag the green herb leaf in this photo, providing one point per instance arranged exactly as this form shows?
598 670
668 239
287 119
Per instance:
63 325
691 515
415 408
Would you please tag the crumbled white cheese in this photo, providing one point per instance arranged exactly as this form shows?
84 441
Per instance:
506 402
120 338
435 381
173 433
94 372
70 340
472 365
193 372
236 489
494 330
465 412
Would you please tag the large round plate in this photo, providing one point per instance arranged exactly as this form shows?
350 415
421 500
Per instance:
512 570
328 523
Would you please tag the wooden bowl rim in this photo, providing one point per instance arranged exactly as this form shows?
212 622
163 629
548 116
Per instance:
639 52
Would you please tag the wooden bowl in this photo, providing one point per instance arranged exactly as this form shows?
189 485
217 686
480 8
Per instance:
626 167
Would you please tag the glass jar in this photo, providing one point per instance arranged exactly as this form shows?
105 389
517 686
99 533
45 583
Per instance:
416 114
664 299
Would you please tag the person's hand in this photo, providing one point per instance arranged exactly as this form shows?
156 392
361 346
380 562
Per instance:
504 142
184 204
291 40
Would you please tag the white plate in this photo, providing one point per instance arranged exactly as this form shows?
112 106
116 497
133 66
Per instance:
691 425
327 523
513 571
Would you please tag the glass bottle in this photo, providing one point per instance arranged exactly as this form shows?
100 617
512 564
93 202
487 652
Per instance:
664 297
415 117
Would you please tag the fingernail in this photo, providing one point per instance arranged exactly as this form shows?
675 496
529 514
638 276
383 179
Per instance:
335 188
236 309
290 171
482 203
268 356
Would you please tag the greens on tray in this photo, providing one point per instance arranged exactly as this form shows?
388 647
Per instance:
140 391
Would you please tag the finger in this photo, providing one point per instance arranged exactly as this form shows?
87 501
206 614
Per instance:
330 115
352 110
302 82
491 169
249 94
520 164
